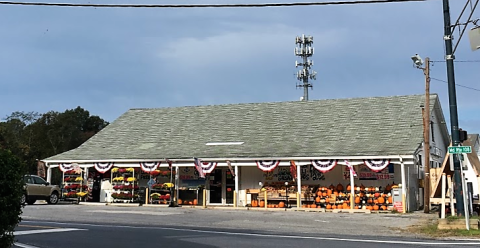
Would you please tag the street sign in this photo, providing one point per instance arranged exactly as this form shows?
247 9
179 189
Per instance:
459 149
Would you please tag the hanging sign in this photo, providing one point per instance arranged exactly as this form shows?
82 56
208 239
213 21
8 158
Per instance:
350 167
103 167
149 166
230 168
376 164
208 167
293 170
324 165
267 165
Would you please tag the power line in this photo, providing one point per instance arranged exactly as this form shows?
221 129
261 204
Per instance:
457 61
455 84
246 5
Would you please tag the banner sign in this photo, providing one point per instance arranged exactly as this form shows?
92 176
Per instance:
365 173
208 167
65 167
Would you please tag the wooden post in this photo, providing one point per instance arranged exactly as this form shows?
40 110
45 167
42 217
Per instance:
442 216
204 198
426 137
450 192
147 196
234 199
265 197
402 168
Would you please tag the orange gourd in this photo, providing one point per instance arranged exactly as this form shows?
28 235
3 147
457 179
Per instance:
313 205
319 193
195 202
345 205
324 193
281 204
357 200
349 187
317 199
329 192
334 206
375 207
329 206
381 200
340 206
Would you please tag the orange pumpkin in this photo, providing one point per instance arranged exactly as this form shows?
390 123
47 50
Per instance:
319 193
356 207
334 206
390 200
375 207
317 199
381 200
377 194
349 187
195 202
329 192
384 207
179 201
254 203
262 203
329 206
345 205
339 187
340 206
324 193
313 205
281 204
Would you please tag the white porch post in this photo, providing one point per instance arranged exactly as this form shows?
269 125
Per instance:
235 204
49 174
402 166
177 180
352 190
299 187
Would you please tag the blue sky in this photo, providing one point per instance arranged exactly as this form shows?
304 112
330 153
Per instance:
110 60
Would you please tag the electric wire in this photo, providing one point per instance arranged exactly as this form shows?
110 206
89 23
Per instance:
246 5
440 80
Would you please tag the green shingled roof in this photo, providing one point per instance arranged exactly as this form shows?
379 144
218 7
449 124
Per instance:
375 126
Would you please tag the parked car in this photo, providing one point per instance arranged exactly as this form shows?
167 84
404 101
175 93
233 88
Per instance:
36 188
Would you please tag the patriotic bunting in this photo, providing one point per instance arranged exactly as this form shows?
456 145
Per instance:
350 166
230 168
324 165
208 167
65 167
103 167
267 165
376 164
149 166
293 170
198 165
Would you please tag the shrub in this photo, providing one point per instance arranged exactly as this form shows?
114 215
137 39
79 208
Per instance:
11 191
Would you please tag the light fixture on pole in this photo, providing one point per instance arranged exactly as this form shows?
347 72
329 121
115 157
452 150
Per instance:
418 62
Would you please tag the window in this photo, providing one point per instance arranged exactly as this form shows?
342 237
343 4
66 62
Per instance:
39 180
431 130
28 179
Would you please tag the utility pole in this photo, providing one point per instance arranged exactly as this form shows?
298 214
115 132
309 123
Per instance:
426 137
304 50
452 98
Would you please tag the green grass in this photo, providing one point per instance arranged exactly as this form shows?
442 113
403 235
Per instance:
432 230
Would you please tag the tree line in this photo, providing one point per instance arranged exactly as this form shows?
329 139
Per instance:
31 136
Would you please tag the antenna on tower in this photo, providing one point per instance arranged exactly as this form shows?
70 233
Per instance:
304 50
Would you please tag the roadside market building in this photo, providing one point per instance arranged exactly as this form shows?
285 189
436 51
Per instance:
381 137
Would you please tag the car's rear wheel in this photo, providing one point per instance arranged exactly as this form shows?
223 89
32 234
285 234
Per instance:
53 199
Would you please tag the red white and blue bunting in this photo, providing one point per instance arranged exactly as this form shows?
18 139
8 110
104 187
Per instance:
65 167
376 164
324 165
208 167
149 166
267 165
103 167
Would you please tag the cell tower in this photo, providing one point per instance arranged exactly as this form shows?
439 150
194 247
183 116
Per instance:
304 50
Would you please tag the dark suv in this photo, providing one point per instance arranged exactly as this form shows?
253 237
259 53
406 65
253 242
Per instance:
36 188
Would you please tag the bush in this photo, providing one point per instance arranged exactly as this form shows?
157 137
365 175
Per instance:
11 191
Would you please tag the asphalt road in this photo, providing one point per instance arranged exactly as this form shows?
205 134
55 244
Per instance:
110 226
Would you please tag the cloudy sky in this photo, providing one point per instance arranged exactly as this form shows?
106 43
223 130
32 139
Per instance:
109 60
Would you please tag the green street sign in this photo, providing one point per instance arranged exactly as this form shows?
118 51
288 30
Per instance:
459 149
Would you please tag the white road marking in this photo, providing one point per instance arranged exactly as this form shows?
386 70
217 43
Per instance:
24 245
16 233
131 212
272 235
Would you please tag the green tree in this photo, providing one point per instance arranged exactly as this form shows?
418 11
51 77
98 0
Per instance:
11 190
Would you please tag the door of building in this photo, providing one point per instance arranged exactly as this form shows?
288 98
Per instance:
216 186
229 186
